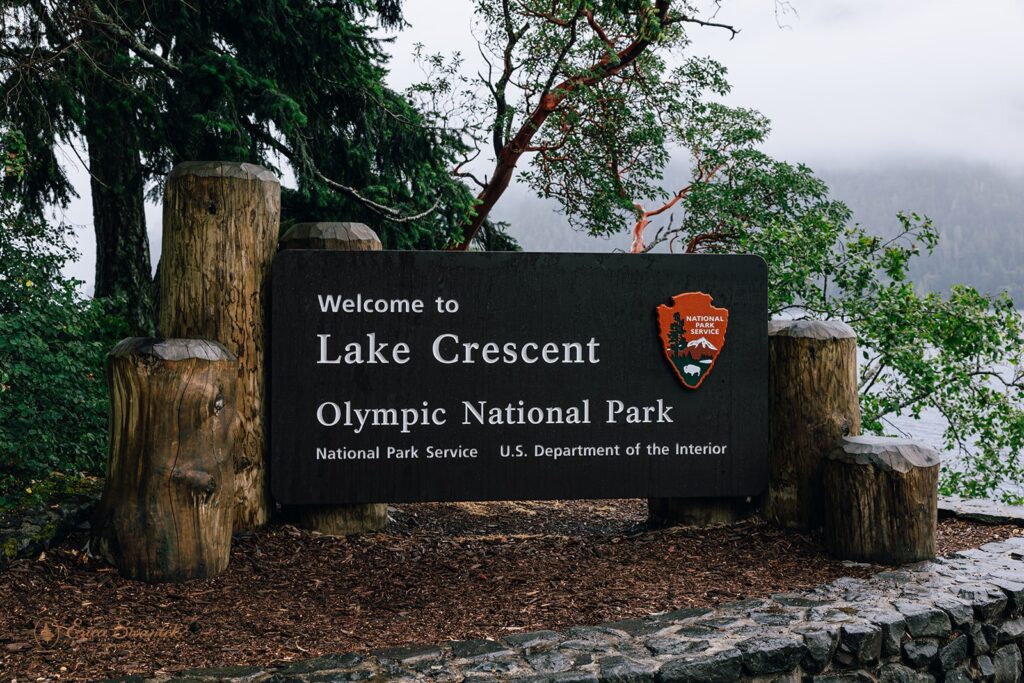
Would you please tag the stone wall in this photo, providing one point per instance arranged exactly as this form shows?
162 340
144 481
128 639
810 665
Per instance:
958 618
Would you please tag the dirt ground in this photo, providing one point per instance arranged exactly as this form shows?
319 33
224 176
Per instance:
441 572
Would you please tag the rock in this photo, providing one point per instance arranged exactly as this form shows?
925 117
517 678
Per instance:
988 603
619 669
925 621
1014 592
799 600
682 614
533 640
231 673
863 641
503 667
597 634
953 653
549 662
724 666
766 654
986 511
893 626
328 663
410 654
850 677
773 618
979 643
1010 631
960 675
961 614
819 646
1007 664
635 627
673 645
561 677
983 665
920 653
475 649
898 673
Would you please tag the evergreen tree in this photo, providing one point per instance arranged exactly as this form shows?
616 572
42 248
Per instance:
147 85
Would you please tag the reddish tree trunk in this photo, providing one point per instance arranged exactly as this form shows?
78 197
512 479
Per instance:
513 150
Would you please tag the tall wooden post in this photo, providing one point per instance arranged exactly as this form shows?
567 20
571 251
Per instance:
336 520
813 401
167 505
221 221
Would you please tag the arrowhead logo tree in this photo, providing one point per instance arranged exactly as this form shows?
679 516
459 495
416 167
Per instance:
692 335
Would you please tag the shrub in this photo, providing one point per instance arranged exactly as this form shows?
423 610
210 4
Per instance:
53 395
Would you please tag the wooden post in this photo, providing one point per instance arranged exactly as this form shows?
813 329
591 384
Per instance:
167 506
881 500
336 520
814 400
221 221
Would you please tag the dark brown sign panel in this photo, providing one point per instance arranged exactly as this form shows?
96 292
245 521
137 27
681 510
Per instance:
432 376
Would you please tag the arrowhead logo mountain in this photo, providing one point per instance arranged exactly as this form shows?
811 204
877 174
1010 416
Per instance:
692 335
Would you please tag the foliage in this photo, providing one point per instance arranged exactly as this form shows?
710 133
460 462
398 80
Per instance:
960 355
290 80
558 72
53 396
979 208
602 152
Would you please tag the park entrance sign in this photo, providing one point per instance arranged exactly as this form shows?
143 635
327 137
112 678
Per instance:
432 376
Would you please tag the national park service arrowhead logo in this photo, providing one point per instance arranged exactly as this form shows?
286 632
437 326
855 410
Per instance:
692 335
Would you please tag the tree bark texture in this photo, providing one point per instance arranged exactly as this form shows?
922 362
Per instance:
118 201
881 500
167 506
336 520
221 222
813 401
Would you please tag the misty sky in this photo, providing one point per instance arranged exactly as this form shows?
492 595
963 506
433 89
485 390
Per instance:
847 83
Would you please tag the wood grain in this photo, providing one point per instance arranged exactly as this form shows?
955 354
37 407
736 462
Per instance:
881 500
814 401
167 507
221 222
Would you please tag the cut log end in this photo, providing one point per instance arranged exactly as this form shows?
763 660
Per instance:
811 329
334 236
167 505
881 500
172 349
223 169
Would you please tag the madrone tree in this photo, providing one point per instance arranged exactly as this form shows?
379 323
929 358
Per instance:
579 97
546 63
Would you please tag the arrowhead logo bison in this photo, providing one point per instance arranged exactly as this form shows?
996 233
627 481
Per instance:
692 335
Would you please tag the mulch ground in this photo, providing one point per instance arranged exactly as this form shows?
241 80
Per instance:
442 572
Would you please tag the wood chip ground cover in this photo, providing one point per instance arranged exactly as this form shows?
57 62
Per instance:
442 572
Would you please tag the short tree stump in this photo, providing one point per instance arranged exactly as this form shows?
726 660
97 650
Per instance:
880 500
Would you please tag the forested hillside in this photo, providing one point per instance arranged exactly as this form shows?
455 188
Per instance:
978 210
